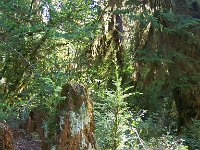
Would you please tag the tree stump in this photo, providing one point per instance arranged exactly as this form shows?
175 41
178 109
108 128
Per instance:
74 122
35 122
6 137
77 122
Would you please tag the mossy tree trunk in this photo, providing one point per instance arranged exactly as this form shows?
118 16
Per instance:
178 44
108 47
185 69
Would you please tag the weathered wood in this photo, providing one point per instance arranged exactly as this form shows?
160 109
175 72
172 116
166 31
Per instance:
6 137
35 123
74 122
77 124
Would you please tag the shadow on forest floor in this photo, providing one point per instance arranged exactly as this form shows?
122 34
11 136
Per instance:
22 141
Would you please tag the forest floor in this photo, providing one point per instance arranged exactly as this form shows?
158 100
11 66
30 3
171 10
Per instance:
23 141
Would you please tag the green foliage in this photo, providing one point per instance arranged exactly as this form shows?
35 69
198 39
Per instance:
46 44
167 142
112 116
119 128
35 49
6 112
192 135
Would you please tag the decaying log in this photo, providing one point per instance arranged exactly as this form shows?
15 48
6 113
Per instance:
6 137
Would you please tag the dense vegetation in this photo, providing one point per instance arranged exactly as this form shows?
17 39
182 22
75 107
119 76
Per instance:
138 58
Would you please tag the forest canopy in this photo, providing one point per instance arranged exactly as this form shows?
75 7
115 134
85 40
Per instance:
137 59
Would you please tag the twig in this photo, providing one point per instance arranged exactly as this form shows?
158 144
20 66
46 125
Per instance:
141 141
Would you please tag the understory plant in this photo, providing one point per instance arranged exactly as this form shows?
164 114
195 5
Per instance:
119 127
115 128
191 134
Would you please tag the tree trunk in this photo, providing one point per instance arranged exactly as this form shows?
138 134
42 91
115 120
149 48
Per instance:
182 47
184 73
185 69
6 137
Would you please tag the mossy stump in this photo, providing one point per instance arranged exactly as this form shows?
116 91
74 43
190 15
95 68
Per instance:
73 127
6 137
77 123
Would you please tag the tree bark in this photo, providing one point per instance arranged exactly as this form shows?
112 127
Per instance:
77 126
6 137
73 126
